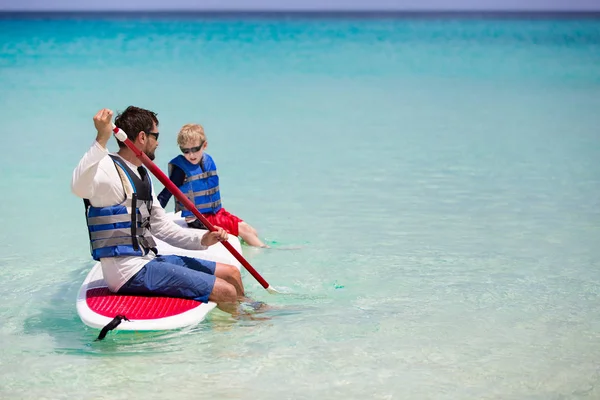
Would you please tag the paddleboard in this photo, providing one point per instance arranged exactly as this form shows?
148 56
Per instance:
97 306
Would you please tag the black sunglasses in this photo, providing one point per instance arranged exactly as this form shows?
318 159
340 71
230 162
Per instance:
155 134
186 150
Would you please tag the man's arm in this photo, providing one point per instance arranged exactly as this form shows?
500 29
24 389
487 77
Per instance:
168 231
84 183
190 239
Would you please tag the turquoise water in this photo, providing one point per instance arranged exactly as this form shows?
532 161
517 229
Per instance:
440 178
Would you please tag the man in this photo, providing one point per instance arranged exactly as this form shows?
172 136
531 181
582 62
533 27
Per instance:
123 213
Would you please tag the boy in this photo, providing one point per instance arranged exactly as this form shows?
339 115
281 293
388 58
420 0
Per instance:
195 173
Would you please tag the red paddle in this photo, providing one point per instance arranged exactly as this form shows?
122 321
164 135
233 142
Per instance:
122 136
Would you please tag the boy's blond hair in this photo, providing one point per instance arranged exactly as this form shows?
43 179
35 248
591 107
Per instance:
190 132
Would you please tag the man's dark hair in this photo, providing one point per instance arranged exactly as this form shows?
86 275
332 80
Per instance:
134 120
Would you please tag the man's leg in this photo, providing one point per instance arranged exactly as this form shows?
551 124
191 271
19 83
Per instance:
231 275
225 296
183 277
226 272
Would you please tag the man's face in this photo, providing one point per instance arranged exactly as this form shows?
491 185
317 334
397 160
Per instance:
151 142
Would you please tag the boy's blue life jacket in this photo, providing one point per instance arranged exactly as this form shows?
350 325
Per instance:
201 185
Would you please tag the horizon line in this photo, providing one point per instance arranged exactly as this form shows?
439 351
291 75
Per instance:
377 12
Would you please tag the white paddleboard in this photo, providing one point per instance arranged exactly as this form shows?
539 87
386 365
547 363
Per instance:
97 306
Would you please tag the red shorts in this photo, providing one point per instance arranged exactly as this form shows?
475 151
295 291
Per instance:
225 220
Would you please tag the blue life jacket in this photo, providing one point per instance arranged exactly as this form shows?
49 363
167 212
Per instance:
116 230
201 185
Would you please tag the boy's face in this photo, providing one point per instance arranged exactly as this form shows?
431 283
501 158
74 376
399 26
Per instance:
192 150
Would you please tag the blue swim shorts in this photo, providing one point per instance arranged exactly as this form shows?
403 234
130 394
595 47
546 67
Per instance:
174 276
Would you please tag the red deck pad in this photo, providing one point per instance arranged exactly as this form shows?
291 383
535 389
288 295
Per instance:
108 304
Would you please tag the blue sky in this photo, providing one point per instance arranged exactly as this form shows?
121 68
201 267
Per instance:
81 5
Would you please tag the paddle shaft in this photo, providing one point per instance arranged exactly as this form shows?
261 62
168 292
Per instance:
186 202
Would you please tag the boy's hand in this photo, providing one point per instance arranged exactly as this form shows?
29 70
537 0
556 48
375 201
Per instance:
210 238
